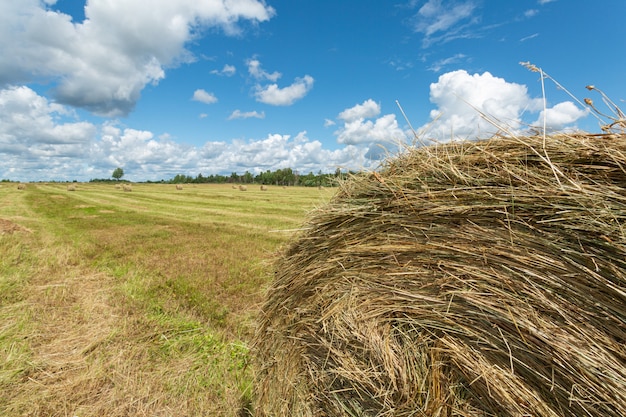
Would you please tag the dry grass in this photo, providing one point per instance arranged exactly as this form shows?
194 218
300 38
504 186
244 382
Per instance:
466 279
131 305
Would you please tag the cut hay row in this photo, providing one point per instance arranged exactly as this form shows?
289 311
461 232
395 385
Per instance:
465 279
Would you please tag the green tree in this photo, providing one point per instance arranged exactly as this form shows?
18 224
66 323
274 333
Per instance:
118 173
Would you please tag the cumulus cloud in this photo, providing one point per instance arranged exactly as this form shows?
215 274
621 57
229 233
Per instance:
204 97
278 151
385 129
238 114
560 116
276 96
357 130
461 98
103 63
29 120
255 70
368 109
40 140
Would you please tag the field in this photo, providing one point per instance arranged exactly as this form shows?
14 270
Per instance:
136 303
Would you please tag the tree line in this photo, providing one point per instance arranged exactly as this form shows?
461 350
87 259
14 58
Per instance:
285 177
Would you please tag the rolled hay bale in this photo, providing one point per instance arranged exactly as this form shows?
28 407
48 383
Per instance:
117 186
465 279
127 187
71 187
234 187
21 186
264 188
243 188
179 186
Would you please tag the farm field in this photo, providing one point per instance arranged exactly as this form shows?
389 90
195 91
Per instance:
136 303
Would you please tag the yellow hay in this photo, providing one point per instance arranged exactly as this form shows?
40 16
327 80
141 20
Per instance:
468 279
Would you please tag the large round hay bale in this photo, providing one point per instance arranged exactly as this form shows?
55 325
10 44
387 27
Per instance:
465 279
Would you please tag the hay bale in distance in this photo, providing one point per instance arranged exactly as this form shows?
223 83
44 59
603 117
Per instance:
127 187
21 186
263 187
465 279
243 188
179 187
71 187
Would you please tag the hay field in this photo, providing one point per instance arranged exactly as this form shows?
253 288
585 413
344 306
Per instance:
137 303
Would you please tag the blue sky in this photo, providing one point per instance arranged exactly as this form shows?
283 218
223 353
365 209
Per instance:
161 88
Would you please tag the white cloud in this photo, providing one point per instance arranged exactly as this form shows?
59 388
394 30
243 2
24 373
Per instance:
279 151
276 96
368 109
526 38
238 114
204 97
385 129
441 22
37 144
440 64
227 70
356 130
103 63
255 70
328 123
531 12
461 98
27 120
560 116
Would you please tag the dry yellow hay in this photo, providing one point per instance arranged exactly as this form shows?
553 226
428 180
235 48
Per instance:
71 187
9 227
21 186
127 187
466 279
263 188
117 186
234 187
179 186
243 188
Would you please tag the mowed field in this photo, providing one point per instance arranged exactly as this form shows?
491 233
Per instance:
137 303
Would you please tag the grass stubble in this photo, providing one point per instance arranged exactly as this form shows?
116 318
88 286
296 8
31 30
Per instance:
133 304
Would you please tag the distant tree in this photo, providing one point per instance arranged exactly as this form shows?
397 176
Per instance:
118 173
247 177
